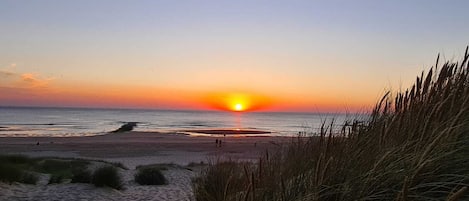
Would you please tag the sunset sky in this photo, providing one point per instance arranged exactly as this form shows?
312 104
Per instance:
310 56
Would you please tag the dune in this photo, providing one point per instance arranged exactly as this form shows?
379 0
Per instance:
131 149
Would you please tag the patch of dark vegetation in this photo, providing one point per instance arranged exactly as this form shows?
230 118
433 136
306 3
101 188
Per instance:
29 178
23 169
15 168
220 173
107 176
53 165
81 176
56 179
150 175
10 173
60 169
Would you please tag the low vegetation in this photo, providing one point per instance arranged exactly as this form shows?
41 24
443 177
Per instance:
81 176
23 169
414 146
150 176
107 176
15 168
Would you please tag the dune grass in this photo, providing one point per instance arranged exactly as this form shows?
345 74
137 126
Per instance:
150 175
24 169
107 176
81 176
414 146
16 168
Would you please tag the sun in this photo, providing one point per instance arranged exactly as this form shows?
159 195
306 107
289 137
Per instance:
236 102
238 107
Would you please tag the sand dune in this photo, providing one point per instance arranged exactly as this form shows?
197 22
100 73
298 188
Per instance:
131 149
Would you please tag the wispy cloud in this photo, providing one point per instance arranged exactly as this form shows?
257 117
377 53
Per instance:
34 81
6 73
12 79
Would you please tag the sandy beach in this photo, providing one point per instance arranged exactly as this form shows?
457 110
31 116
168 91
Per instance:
131 149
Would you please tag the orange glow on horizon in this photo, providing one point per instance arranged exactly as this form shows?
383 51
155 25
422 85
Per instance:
238 102
130 96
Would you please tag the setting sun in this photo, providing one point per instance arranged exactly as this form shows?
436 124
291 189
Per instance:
238 107
237 101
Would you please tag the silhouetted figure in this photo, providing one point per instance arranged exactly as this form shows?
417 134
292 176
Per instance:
37 143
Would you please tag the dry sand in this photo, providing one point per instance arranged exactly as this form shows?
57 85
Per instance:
131 149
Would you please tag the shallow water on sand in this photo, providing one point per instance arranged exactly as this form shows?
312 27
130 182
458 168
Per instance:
25 121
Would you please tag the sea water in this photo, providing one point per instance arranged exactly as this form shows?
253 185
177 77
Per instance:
30 121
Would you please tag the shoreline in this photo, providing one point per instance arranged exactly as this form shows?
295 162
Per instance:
207 132
175 148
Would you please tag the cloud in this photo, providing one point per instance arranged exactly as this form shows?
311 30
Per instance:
9 78
34 81
6 73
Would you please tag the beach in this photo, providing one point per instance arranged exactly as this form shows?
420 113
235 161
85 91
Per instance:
132 149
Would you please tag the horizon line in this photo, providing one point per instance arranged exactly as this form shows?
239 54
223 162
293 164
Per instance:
168 109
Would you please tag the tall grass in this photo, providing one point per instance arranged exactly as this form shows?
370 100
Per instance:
414 146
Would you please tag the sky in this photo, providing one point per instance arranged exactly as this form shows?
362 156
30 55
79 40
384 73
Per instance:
303 56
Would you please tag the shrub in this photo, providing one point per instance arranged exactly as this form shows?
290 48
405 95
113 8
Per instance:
81 176
19 168
10 173
54 165
56 179
13 169
29 178
150 176
107 176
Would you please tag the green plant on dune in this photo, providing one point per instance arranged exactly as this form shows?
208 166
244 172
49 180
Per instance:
29 178
414 146
15 168
107 176
81 176
150 176
56 179
23 169
60 169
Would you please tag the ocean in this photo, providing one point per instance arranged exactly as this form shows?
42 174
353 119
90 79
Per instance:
65 122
